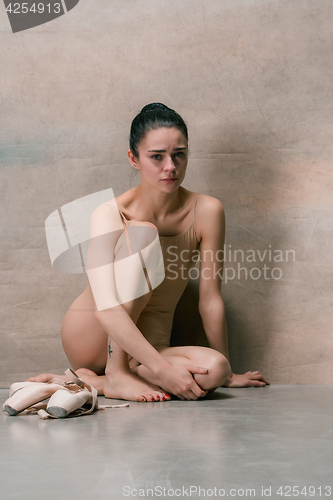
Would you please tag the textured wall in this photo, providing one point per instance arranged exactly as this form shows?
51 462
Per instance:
253 80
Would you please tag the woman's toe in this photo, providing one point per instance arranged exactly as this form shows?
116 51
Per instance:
44 377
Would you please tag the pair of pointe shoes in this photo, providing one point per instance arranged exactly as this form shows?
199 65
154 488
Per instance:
71 398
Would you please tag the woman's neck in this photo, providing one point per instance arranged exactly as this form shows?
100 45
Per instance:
157 204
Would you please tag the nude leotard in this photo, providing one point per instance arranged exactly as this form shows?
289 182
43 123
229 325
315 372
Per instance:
155 320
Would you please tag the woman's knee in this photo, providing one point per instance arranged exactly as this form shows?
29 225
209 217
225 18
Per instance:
218 371
220 368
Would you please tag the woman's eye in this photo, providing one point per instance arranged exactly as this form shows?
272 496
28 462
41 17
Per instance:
156 157
179 154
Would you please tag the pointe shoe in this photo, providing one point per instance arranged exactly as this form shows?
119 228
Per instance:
63 403
18 385
72 398
27 395
79 398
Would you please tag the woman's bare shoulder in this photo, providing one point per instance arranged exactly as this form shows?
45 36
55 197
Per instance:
204 200
124 199
208 205
106 217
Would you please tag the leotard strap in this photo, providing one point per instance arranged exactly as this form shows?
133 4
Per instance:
195 205
123 217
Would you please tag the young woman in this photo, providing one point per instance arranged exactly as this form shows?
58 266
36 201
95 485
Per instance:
123 349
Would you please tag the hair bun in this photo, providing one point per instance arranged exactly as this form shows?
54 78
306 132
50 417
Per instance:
155 106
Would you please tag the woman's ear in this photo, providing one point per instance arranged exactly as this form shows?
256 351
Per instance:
132 159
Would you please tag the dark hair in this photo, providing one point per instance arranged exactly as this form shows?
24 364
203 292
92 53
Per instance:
153 116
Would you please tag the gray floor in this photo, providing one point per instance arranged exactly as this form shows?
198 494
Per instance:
233 440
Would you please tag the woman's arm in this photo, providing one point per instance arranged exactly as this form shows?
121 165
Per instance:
211 305
105 230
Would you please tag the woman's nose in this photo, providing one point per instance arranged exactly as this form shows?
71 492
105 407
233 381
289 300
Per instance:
169 164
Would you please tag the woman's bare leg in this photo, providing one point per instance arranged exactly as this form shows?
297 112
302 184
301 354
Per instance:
217 365
86 346
120 382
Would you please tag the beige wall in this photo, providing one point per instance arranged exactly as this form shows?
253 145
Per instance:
253 80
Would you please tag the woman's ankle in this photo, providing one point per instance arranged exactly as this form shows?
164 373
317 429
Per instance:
115 371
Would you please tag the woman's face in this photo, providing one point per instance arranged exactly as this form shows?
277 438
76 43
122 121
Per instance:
163 156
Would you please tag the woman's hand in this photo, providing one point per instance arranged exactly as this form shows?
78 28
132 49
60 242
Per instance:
249 379
178 379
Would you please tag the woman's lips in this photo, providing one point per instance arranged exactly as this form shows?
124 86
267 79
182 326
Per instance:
169 179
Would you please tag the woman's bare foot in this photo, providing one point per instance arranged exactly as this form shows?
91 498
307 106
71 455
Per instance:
128 386
121 385
88 376
46 377
91 378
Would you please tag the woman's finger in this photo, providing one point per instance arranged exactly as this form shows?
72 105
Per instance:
198 392
260 377
187 396
201 395
197 369
255 376
193 396
255 383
